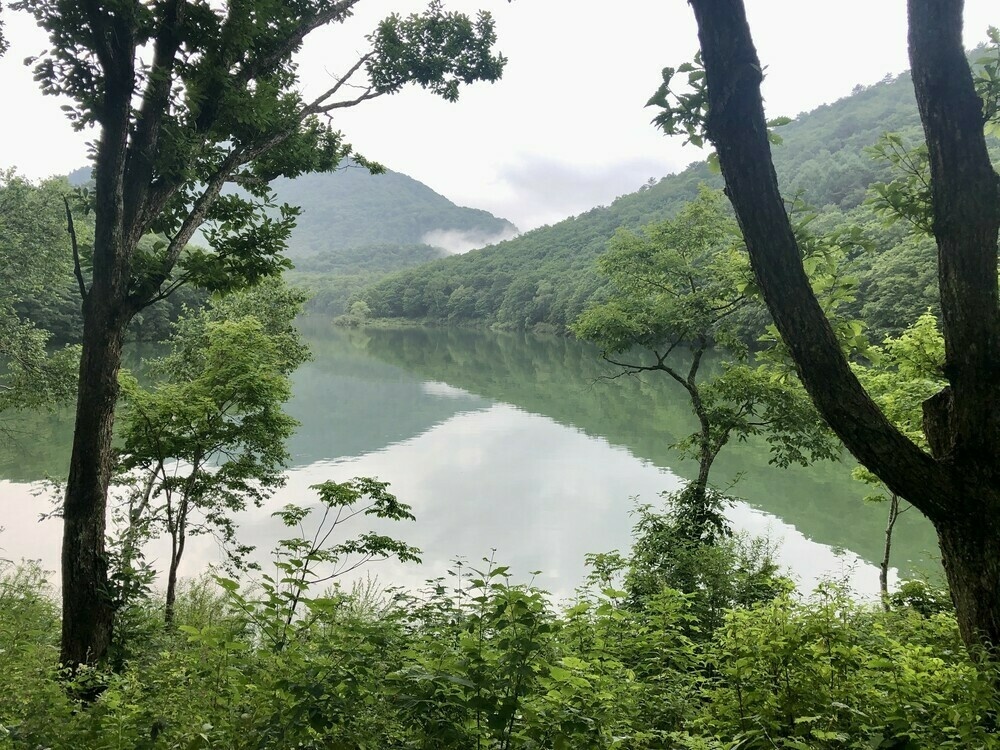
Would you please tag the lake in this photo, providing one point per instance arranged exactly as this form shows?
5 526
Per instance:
507 442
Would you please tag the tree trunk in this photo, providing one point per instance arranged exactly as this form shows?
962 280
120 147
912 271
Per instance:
883 574
698 489
970 551
706 523
176 553
956 488
87 607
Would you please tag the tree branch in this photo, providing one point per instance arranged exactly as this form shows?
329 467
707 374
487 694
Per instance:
77 270
253 68
198 213
154 108
99 29
313 108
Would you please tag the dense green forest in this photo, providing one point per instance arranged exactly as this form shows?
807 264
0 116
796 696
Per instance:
545 278
332 279
51 300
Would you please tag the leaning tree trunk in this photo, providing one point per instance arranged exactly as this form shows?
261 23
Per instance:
957 487
87 606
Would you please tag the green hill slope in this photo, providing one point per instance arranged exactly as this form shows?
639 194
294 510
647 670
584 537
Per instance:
543 279
356 227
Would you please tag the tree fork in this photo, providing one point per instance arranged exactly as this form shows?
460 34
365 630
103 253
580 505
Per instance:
957 488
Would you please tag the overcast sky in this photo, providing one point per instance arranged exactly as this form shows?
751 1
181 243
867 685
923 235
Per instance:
566 128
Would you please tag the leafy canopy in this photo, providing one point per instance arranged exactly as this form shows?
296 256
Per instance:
209 437
192 95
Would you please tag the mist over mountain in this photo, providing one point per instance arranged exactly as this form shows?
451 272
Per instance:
351 208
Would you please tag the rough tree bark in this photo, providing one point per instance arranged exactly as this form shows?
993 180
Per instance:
87 607
956 487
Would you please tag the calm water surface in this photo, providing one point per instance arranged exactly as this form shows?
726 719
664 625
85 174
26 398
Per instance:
503 442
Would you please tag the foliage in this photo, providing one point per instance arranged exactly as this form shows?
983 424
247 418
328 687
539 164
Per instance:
32 232
333 278
36 214
209 438
901 375
678 282
684 111
906 371
477 660
986 77
831 673
732 571
305 561
674 292
908 196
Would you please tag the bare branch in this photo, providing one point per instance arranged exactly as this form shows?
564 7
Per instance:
77 270
368 94
341 82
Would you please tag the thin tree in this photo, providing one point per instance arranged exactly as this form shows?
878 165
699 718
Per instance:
675 294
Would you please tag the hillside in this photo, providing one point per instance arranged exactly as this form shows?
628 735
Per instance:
543 279
351 208
356 227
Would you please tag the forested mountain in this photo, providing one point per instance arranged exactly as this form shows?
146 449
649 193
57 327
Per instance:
351 208
544 279
348 210
355 227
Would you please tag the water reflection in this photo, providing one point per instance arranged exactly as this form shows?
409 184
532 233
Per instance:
506 442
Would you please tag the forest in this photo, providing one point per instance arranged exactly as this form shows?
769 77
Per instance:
840 300
827 162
